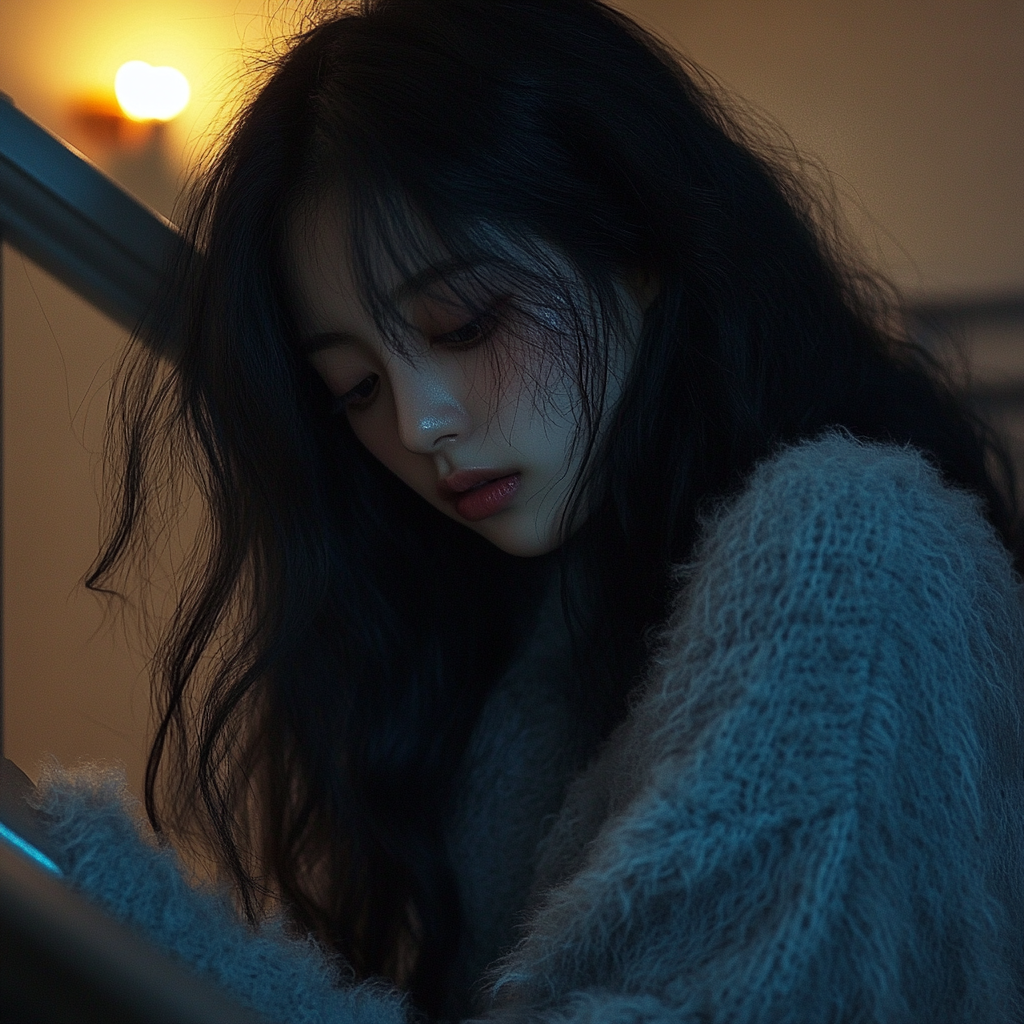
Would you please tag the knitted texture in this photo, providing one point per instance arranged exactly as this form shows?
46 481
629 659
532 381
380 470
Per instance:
528 743
813 812
97 828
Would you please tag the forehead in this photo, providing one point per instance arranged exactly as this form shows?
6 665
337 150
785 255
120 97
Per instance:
325 282
396 265
319 261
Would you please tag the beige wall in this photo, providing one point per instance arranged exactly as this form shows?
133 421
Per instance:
917 106
73 687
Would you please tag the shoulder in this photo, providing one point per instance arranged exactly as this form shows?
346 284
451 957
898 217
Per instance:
845 588
844 617
857 530
850 604
849 547
822 771
836 493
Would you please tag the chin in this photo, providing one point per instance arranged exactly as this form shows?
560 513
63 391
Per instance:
513 539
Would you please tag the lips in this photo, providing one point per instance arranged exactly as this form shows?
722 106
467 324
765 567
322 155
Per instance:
467 479
478 494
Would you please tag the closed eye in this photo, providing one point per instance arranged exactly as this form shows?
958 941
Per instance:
361 393
474 333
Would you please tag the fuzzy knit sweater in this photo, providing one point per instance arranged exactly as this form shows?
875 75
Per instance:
814 811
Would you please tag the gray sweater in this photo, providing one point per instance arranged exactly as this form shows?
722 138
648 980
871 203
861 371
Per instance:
814 810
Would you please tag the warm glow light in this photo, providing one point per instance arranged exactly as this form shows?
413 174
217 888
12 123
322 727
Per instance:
146 93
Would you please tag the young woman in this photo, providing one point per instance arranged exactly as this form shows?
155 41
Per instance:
605 613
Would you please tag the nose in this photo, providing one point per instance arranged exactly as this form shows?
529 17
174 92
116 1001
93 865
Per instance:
428 407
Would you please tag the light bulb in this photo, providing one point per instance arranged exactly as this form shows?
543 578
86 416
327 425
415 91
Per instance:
146 93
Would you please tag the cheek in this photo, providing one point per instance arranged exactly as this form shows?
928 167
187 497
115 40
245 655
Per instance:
540 409
377 430
523 385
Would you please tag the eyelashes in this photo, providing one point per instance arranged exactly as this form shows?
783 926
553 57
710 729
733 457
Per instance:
476 332
471 334
363 392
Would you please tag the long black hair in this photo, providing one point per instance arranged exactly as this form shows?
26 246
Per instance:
335 637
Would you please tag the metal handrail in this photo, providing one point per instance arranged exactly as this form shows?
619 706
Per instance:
70 218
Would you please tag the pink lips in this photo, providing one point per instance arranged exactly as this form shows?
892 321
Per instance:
478 494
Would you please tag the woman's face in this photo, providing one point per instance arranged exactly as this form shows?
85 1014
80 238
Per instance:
471 415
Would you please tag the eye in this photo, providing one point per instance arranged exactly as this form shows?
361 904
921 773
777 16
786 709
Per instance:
475 332
361 394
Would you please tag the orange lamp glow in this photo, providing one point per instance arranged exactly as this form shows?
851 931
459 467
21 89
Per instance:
146 93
